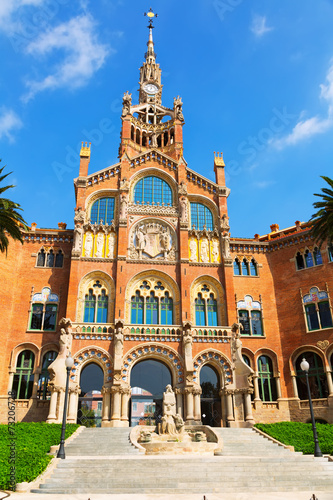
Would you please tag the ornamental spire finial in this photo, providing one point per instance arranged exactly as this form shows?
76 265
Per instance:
150 14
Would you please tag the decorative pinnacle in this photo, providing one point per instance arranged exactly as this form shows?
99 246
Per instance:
85 150
150 14
218 159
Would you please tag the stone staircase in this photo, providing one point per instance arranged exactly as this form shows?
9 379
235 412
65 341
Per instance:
104 461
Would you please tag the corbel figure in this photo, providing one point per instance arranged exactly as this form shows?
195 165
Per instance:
127 101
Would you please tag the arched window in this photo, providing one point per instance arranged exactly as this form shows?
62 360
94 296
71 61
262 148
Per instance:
201 216
23 378
253 268
150 309
50 259
308 258
246 360
249 315
237 268
200 311
206 309
102 308
102 210
317 309
317 377
212 311
299 261
96 304
59 260
44 310
267 384
42 391
152 190
245 267
137 304
317 257
166 310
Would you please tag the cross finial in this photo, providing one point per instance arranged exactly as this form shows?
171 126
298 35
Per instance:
150 14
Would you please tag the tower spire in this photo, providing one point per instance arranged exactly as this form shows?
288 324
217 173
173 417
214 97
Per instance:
150 72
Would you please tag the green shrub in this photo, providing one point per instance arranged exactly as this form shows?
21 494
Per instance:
32 442
299 435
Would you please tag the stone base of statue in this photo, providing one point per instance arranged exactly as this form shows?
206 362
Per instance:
171 436
198 440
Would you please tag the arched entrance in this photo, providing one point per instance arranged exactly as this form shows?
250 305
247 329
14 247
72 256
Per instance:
210 398
149 379
90 399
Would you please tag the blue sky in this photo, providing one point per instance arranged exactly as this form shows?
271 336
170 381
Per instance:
256 79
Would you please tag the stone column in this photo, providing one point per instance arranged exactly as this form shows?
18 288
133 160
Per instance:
248 407
189 404
125 395
278 387
72 405
35 386
294 382
256 387
329 382
10 381
106 391
179 401
53 406
116 402
229 405
197 404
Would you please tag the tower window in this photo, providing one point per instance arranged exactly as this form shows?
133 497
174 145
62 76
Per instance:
206 310
250 317
44 311
201 216
102 211
152 190
23 378
149 309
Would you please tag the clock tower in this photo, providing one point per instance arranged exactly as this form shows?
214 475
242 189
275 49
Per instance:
148 124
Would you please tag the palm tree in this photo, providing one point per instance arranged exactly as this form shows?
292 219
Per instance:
322 228
11 221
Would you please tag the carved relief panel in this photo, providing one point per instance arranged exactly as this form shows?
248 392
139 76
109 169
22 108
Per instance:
99 242
152 239
205 249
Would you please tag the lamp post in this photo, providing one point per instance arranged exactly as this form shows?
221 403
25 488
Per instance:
305 367
61 452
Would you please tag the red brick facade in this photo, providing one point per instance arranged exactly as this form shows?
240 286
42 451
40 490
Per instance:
186 261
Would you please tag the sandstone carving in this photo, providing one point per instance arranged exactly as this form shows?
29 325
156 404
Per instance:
193 250
111 245
99 245
78 232
152 240
57 368
172 423
204 252
88 245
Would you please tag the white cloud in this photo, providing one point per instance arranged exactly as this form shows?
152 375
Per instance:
305 129
9 10
84 55
9 121
259 26
263 184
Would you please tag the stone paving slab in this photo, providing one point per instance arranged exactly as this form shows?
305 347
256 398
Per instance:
304 495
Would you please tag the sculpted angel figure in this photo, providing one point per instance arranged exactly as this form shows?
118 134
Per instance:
88 245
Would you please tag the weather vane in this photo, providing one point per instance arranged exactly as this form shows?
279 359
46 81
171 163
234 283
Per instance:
150 14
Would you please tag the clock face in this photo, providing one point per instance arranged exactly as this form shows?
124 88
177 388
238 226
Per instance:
150 88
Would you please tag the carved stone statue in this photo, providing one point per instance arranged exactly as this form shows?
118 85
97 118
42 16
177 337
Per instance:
183 210
204 252
215 250
224 224
177 106
172 423
140 240
154 140
78 232
57 368
118 349
187 341
123 206
88 245
193 250
226 246
152 240
99 245
111 244
127 101
79 216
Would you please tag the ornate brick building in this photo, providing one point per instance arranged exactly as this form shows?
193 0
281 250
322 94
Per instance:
158 292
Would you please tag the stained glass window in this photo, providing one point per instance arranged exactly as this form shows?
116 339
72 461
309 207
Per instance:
212 311
50 317
245 267
267 385
200 311
102 210
23 378
201 216
137 304
152 309
244 320
237 270
50 259
253 268
166 310
308 259
317 377
152 190
317 257
89 307
102 308
36 317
